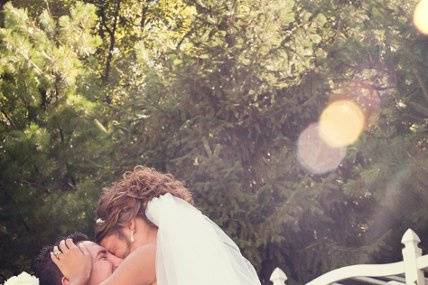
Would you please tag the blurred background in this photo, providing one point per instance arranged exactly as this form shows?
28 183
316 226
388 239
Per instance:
300 126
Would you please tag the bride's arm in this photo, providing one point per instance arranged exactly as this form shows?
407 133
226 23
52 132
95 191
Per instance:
138 268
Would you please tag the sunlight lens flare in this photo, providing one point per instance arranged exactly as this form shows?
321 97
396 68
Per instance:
420 16
315 155
341 123
366 97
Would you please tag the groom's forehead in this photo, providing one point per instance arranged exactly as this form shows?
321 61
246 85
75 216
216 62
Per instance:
92 247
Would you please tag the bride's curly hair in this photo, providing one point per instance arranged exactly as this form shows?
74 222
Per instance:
128 198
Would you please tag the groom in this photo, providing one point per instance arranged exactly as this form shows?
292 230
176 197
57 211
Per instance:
103 263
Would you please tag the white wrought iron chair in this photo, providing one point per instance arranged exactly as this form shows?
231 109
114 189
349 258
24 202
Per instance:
410 271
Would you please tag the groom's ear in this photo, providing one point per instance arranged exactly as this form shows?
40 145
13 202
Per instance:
64 281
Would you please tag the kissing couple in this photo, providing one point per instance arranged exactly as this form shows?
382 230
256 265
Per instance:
148 232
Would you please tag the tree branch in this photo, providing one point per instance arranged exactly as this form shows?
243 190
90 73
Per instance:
112 35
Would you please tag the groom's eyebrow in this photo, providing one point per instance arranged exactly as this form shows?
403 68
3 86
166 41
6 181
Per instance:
102 252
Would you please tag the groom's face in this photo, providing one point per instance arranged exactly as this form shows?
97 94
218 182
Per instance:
104 263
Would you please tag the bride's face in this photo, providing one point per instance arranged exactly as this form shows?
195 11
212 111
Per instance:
117 244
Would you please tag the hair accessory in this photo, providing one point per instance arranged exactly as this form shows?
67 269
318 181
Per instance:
99 221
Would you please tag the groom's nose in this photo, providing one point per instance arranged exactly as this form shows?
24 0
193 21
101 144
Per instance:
115 261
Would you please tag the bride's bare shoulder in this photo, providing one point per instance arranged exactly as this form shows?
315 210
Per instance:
137 268
144 255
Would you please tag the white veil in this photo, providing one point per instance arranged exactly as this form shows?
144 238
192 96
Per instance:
193 250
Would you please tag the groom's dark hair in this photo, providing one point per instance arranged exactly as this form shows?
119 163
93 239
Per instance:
128 198
44 268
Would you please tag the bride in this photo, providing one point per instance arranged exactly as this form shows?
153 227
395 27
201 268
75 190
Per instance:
149 219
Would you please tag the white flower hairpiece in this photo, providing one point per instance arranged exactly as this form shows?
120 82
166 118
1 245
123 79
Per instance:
22 279
99 221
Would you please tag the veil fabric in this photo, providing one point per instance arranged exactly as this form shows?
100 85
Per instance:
192 250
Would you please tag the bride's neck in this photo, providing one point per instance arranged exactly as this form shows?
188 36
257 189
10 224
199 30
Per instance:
146 233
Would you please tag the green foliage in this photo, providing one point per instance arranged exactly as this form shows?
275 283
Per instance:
217 93
50 147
